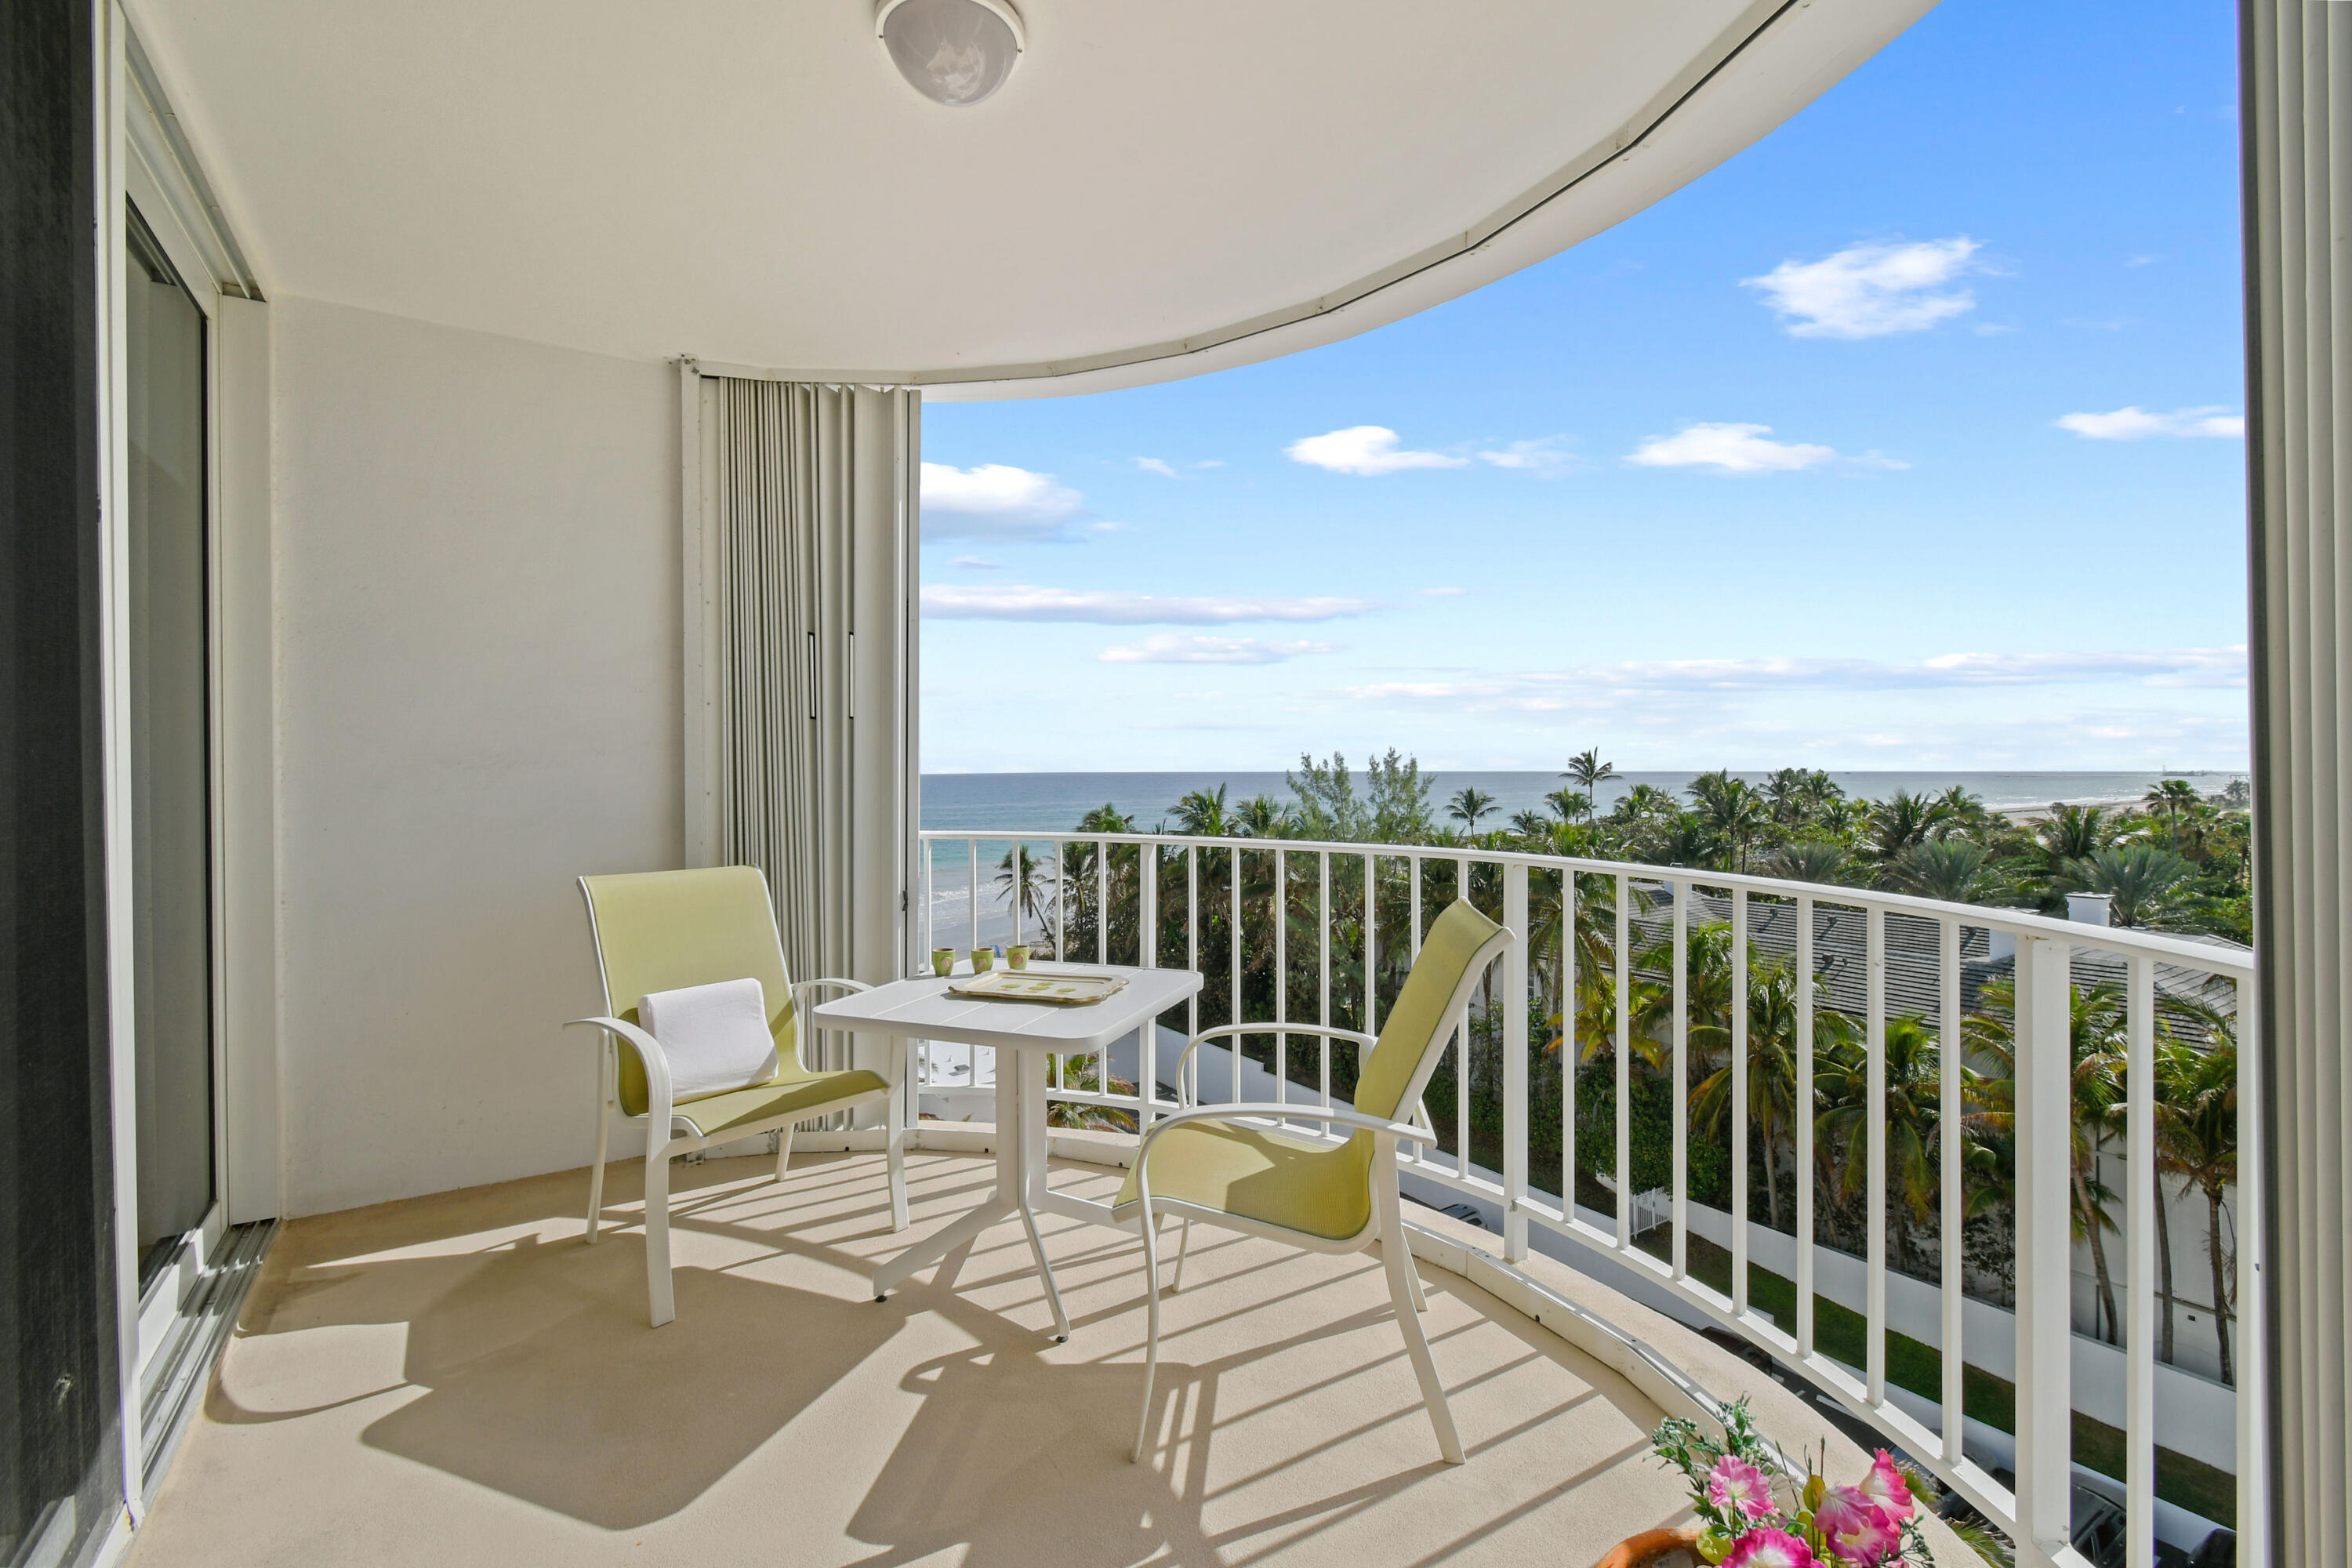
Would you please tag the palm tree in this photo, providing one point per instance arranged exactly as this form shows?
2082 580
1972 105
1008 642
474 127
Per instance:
1952 870
2096 1034
2144 882
1033 880
1573 806
1262 816
1734 813
1844 1129
1468 806
2073 833
1536 826
1773 1008
1809 860
2197 1140
1201 814
2172 799
1900 822
1587 771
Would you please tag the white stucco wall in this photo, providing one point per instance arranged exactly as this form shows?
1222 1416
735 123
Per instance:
479 700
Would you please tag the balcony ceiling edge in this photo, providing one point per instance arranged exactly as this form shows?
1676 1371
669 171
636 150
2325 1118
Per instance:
1780 58
1158 191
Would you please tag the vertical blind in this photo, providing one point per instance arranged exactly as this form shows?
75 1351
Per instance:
807 524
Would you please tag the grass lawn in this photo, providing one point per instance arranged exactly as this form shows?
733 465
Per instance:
1838 1332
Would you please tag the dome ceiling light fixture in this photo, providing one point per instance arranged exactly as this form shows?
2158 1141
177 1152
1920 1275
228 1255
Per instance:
955 52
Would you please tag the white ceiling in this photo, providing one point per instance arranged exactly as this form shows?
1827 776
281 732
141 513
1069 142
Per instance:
1163 185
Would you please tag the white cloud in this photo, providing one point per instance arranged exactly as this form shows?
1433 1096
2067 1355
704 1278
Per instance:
1610 685
978 563
1365 449
1727 449
1173 647
1021 602
1157 466
996 500
1871 291
2136 423
1542 457
1445 593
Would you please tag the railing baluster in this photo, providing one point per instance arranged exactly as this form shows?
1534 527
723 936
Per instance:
1281 978
1739 1100
1952 1053
1624 1060
1414 862
1061 904
1371 950
1323 1016
1567 1044
1515 1065
2140 1198
972 898
1102 900
1192 961
1146 1034
1806 1111
1238 1043
1682 892
2248 1318
1873 1344
2045 1307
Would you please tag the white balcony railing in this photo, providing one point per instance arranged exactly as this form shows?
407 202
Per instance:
1356 910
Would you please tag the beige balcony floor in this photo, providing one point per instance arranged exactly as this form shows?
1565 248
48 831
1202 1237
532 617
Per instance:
460 1380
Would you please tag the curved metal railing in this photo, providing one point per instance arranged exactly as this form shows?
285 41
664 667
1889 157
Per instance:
1855 952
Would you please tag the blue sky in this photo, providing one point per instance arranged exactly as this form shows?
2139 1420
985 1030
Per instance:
1906 438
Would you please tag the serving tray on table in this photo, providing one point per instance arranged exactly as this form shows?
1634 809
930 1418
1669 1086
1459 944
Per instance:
1030 985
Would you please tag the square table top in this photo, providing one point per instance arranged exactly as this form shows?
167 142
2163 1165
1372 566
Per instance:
921 1008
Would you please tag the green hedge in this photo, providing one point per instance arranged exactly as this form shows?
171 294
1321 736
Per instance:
1653 1138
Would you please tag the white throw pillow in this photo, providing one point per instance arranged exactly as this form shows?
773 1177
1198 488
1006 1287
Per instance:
715 1036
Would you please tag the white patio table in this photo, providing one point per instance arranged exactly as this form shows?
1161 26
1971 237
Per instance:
1023 1035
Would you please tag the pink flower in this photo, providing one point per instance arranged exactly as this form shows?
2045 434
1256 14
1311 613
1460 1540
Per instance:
1854 1528
1769 1548
1883 1486
1734 1483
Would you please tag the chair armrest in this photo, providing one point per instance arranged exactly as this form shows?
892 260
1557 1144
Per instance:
1398 1131
1222 1030
834 984
800 1004
656 1064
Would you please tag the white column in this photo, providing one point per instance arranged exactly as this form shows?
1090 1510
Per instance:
2296 60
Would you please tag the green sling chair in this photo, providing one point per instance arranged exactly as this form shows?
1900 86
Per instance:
1225 1164
662 930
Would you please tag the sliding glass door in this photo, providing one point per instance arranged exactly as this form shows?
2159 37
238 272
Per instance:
171 753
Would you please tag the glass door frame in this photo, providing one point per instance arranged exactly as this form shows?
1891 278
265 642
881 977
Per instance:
158 1304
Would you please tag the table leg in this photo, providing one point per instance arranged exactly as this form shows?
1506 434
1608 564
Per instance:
933 1247
1030 1180
1020 1184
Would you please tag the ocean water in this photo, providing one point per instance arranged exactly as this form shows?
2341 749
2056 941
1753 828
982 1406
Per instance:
1053 803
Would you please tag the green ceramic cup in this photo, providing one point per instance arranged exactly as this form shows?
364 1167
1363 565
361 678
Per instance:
982 959
943 962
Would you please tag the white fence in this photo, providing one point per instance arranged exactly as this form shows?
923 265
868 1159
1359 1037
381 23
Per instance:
1345 910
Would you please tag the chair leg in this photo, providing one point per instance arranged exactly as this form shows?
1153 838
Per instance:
596 1172
1152 1333
894 1145
785 1150
1183 1245
1412 1279
658 1293
1395 1255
